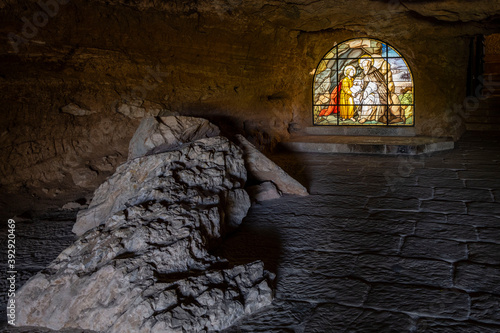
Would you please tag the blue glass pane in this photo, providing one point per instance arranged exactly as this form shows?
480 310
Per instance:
392 53
384 50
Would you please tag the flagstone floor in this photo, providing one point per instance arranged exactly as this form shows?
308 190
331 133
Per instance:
382 244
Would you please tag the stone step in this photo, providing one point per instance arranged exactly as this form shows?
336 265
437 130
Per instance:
482 127
491 91
388 145
491 94
483 119
492 67
491 81
357 131
491 97
491 101
484 112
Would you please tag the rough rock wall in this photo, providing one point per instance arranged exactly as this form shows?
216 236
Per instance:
492 46
75 85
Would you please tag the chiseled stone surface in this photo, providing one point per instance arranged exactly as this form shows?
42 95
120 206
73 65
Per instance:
333 276
484 307
397 269
485 253
434 248
303 285
459 232
419 300
440 274
433 325
338 318
477 277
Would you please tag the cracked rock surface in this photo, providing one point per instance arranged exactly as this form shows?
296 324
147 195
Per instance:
263 170
159 134
146 266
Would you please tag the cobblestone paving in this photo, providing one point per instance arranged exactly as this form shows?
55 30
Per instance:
382 244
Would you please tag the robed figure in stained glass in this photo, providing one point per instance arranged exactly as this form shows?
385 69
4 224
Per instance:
333 108
373 92
363 82
346 102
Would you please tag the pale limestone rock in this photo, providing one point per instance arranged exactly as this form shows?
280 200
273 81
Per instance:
158 134
73 206
76 110
83 177
263 192
263 169
237 204
131 111
148 228
210 164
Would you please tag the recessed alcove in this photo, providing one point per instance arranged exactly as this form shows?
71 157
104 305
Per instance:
363 102
387 140
363 82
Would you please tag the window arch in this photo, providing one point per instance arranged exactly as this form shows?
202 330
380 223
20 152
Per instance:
363 81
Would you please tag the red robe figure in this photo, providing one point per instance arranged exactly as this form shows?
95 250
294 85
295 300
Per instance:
333 108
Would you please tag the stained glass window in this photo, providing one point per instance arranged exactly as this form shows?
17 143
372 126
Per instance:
363 82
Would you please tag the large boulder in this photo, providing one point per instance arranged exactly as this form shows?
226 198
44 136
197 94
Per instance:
159 134
142 263
263 169
208 163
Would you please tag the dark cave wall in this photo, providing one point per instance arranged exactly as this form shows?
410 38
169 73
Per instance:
246 66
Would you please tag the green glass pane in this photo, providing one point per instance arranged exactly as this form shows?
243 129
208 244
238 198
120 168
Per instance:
332 53
324 115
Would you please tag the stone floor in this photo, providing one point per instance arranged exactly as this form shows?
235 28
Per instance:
382 244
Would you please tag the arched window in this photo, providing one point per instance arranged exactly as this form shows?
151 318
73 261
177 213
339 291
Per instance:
363 82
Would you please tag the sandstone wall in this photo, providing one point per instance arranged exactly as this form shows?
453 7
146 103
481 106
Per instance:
74 92
492 46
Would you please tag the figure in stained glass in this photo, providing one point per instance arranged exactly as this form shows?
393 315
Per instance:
333 108
346 102
372 95
363 82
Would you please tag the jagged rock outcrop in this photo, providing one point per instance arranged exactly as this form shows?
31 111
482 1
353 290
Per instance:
138 180
158 134
263 169
143 261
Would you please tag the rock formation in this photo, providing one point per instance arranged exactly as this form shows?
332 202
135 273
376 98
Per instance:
142 263
264 191
158 134
263 169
